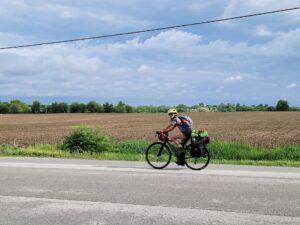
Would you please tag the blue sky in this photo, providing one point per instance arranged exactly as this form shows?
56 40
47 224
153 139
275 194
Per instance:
248 61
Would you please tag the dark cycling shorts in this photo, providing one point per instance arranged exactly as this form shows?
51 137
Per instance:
187 133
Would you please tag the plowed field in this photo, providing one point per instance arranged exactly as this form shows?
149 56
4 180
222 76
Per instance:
264 129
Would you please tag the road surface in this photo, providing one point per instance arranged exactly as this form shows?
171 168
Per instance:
40 191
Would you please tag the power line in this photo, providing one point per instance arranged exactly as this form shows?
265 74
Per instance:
151 30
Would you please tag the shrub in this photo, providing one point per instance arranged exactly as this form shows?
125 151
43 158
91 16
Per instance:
84 139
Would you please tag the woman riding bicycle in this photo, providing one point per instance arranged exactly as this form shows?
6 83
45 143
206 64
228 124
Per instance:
184 124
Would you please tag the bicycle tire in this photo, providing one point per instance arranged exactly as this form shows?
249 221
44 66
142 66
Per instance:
197 163
154 159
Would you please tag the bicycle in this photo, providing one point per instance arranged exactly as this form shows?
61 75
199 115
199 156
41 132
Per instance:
159 154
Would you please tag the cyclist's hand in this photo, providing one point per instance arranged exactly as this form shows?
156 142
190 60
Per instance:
163 135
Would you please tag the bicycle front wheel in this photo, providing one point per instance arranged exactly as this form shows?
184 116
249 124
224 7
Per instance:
196 162
158 155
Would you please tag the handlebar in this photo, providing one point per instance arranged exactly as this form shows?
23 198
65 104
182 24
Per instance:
162 135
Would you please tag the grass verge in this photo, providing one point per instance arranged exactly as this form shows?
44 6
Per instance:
134 150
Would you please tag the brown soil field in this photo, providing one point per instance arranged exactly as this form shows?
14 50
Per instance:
263 129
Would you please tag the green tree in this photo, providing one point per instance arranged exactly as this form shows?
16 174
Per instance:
77 107
108 107
282 105
3 107
53 108
16 106
93 107
181 108
222 107
44 109
294 108
82 108
63 107
100 108
162 108
230 107
140 109
120 107
56 107
129 108
36 107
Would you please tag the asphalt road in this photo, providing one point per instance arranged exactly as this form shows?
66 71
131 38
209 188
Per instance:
37 191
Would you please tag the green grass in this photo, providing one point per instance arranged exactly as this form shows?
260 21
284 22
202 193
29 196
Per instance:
134 150
54 151
238 151
286 163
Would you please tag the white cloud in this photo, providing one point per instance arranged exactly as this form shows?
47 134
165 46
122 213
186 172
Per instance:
261 5
64 16
239 7
285 44
143 69
263 31
9 39
177 60
292 85
173 39
233 78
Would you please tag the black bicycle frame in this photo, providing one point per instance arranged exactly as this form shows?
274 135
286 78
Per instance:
166 142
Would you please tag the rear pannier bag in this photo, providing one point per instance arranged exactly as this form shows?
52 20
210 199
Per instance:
199 139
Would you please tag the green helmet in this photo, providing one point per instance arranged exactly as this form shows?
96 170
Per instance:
172 111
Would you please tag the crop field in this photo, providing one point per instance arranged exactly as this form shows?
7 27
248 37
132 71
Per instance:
261 129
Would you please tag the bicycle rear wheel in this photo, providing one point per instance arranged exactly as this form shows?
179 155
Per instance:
198 162
158 155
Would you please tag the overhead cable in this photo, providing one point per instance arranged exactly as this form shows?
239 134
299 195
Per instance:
150 30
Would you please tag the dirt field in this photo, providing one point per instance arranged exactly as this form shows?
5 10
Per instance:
266 129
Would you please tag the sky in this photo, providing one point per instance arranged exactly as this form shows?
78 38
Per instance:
248 61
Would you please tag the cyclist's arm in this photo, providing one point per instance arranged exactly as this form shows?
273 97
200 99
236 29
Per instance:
169 128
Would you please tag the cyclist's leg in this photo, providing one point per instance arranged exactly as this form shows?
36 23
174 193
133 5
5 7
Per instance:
175 139
178 136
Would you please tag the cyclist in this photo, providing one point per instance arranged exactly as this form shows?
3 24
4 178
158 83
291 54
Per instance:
184 124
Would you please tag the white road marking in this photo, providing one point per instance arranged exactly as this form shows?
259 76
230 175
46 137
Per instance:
57 206
183 170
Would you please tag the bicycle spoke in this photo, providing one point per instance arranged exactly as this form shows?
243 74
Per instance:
158 155
196 162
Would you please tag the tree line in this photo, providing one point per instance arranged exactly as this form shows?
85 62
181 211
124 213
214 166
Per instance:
17 106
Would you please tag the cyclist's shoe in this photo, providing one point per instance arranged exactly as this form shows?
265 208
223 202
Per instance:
180 163
180 160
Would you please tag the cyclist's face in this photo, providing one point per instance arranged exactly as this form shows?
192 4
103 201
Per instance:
172 115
